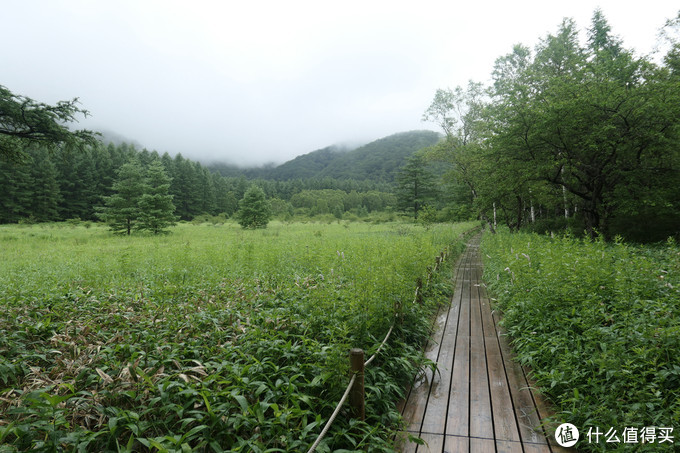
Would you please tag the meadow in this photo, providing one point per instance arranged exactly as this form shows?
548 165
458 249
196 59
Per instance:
599 325
210 338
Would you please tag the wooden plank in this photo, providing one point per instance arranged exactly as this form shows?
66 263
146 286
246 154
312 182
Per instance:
478 445
480 400
433 443
508 446
456 444
535 448
458 415
434 420
529 423
505 423
415 407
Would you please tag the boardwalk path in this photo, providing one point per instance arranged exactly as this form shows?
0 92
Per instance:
478 400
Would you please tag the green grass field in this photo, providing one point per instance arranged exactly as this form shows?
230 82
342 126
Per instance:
599 325
210 338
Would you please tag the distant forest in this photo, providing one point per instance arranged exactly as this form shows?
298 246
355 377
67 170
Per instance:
57 185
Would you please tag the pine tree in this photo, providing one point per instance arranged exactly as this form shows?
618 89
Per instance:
122 208
416 185
45 195
16 191
254 209
156 210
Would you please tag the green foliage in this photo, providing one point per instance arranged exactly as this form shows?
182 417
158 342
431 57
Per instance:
141 200
415 185
585 131
25 122
122 210
254 209
155 205
379 160
214 338
597 324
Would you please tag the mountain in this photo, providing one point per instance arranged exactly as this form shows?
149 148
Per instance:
377 161
309 165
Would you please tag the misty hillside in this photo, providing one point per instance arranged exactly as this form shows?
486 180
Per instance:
377 161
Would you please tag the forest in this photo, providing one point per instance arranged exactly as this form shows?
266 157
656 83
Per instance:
67 185
576 135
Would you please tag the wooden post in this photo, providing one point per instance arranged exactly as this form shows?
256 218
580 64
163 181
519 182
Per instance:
356 395
419 288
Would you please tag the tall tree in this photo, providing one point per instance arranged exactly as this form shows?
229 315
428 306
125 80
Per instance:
156 211
591 121
415 185
122 210
16 187
45 194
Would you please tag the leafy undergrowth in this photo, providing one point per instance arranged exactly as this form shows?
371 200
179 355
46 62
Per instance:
210 339
599 325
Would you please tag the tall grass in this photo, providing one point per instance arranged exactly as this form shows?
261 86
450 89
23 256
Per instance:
212 338
599 325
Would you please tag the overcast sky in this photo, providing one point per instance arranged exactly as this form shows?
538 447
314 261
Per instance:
252 82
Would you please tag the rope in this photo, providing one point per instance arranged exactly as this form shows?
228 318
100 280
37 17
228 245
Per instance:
335 414
380 347
330 421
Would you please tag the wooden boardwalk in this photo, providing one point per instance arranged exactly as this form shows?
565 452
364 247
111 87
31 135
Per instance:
479 399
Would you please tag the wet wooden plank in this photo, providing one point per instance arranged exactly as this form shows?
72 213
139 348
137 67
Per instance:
433 443
434 420
529 423
456 444
458 416
415 407
480 400
478 445
481 424
505 424
507 446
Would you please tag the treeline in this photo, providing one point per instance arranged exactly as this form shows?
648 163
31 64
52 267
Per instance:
584 135
57 185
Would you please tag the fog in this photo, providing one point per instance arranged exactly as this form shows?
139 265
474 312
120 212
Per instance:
262 82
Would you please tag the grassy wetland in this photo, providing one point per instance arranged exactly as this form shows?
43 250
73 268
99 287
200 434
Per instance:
599 325
210 338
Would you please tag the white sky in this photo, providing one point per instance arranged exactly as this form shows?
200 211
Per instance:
252 81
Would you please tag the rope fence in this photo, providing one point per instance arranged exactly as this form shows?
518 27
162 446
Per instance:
357 364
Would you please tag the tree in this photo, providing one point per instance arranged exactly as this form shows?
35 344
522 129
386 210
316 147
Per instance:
460 114
122 210
156 211
24 121
415 185
254 209
45 195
